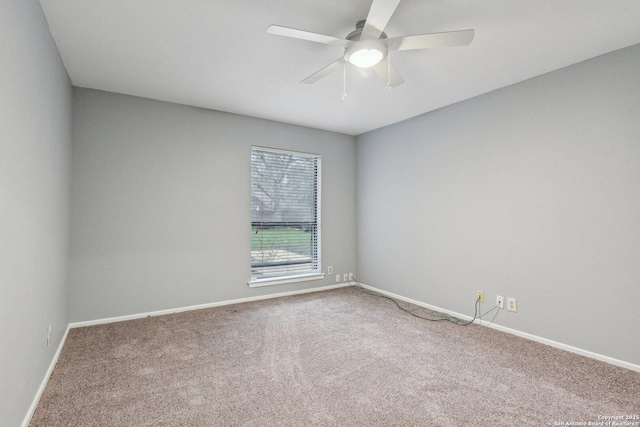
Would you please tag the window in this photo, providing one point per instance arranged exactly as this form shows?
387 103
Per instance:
285 216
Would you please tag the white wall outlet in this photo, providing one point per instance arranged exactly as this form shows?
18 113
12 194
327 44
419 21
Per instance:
330 269
337 277
511 304
500 301
480 296
350 276
346 277
49 336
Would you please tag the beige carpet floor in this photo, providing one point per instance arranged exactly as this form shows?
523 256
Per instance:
333 358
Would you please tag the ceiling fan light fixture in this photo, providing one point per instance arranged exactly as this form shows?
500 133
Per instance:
365 55
368 45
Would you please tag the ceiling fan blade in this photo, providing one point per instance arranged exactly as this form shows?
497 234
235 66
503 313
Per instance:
426 41
334 66
388 73
306 35
379 15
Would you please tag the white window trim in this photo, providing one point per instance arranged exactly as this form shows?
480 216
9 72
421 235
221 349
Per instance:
282 280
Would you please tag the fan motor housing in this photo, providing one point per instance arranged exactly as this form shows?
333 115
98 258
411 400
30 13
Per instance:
355 34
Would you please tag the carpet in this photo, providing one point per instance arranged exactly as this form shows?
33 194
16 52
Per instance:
331 358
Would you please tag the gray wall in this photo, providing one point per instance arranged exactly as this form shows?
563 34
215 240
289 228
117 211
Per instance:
531 191
35 144
160 212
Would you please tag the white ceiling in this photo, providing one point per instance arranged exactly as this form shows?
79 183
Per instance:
216 54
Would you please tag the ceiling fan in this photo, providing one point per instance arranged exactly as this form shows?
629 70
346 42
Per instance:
368 46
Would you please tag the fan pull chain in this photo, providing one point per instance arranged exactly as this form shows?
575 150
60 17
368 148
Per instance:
344 80
388 70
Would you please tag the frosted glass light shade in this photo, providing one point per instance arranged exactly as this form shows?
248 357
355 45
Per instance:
365 54
365 58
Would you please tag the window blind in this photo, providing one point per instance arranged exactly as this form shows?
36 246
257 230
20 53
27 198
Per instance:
285 214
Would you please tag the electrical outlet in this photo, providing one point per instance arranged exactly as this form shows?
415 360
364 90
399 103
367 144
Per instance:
49 336
350 276
500 301
511 304
346 277
337 277
330 269
480 296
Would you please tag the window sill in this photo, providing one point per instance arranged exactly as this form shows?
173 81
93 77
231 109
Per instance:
256 283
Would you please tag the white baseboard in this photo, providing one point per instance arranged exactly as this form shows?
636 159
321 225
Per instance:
43 384
201 306
582 352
